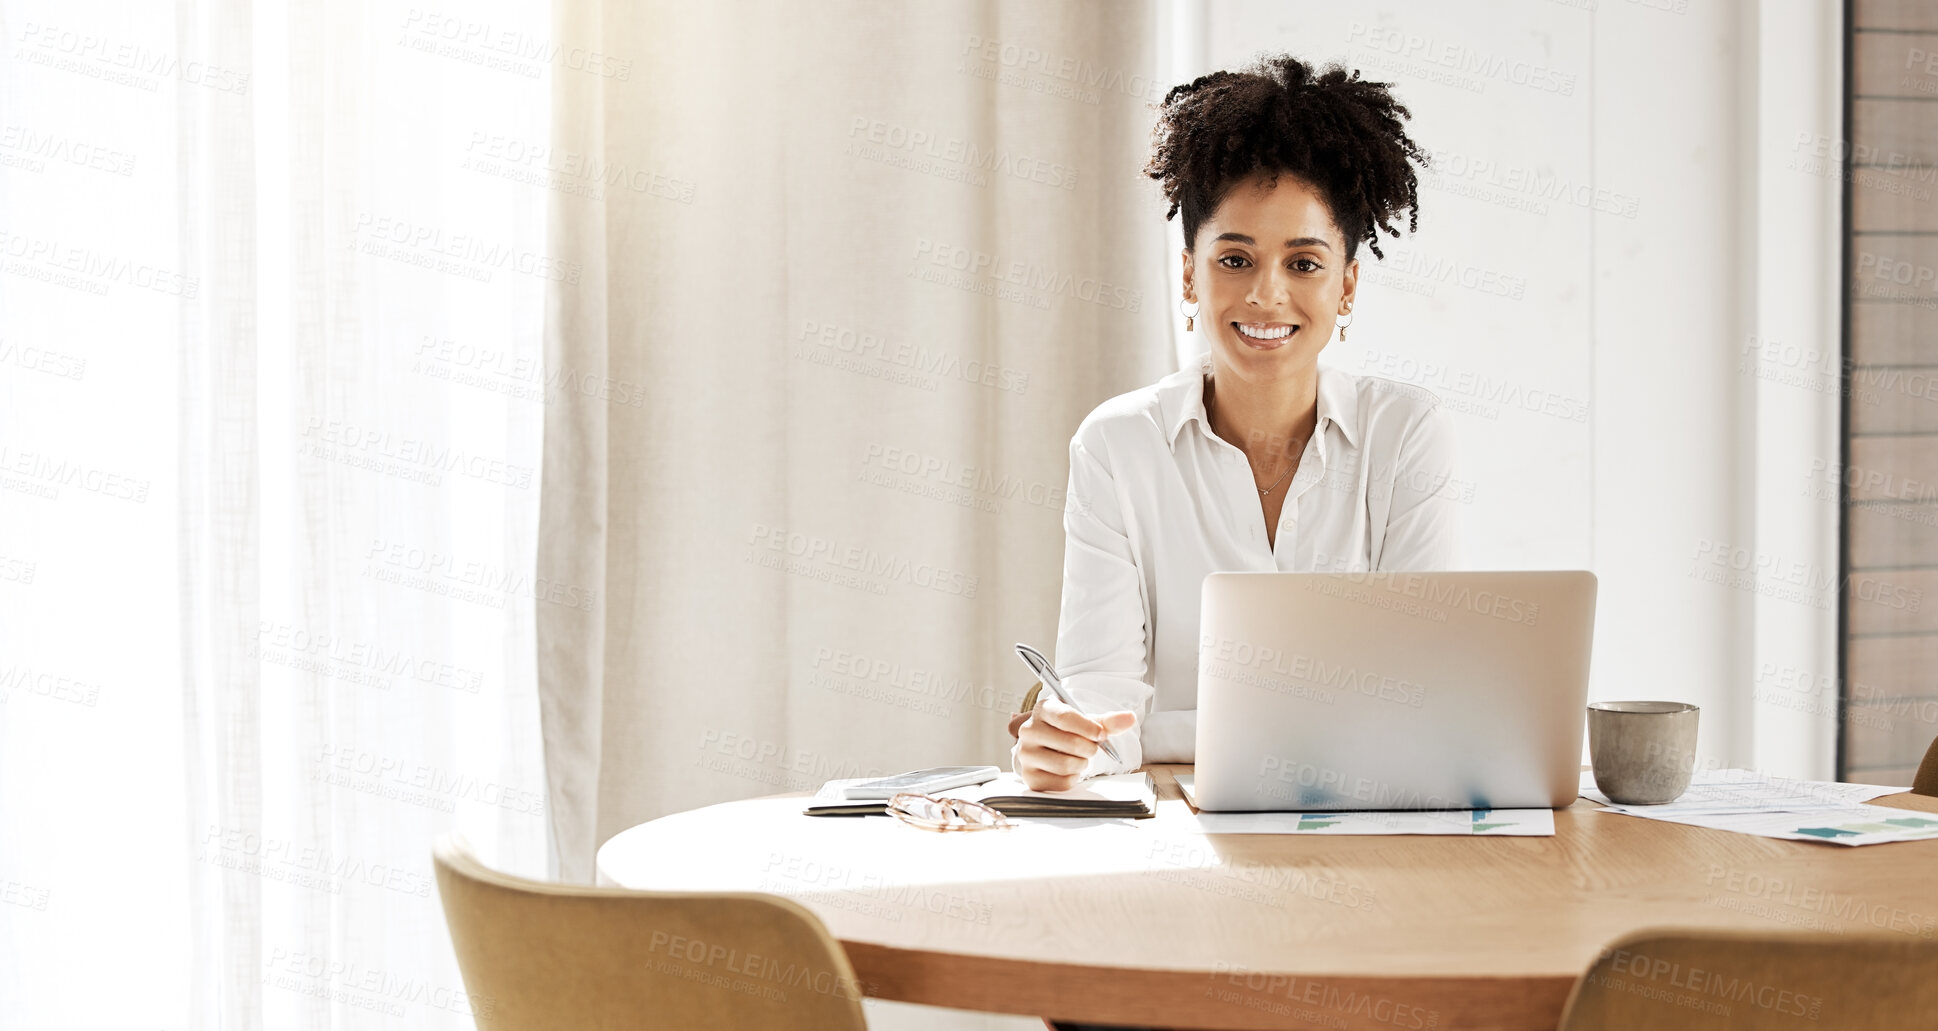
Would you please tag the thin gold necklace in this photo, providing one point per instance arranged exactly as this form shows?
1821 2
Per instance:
1262 491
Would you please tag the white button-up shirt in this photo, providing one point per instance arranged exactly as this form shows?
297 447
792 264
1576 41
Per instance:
1156 501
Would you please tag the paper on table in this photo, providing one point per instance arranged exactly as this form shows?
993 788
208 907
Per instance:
1493 823
831 791
1747 791
1847 825
1117 787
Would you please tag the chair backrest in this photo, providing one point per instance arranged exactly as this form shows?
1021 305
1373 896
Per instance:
1689 980
536 955
1926 782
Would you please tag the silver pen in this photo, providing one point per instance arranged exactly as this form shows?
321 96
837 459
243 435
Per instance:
1048 674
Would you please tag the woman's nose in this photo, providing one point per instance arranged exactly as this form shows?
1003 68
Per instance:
1270 288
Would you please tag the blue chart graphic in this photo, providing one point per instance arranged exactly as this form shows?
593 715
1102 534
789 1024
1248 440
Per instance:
1481 826
1889 824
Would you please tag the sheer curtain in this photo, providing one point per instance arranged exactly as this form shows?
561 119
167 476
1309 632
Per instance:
271 399
289 293
863 269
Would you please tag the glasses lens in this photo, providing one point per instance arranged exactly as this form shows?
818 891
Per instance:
944 813
919 809
978 815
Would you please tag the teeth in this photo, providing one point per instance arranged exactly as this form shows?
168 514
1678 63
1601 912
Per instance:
1262 333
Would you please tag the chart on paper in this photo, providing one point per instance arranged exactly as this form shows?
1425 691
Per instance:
1496 823
1852 825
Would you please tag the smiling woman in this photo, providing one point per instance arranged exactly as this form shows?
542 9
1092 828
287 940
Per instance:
1256 457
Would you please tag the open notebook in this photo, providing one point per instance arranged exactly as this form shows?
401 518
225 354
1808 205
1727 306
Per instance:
1131 795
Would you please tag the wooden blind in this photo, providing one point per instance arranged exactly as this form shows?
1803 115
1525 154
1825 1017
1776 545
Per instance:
1889 484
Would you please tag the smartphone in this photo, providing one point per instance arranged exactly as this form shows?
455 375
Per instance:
929 781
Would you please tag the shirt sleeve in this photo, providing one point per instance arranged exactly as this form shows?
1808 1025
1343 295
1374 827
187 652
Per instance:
1422 523
1102 641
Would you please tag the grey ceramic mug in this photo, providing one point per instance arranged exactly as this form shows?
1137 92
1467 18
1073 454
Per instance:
1643 752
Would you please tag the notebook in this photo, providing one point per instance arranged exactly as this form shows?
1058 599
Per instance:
1132 795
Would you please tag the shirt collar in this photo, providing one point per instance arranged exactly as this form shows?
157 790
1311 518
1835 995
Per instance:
1181 398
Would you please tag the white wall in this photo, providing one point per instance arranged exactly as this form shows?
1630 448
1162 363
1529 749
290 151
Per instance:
1610 217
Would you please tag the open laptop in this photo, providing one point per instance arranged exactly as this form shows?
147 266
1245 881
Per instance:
1338 691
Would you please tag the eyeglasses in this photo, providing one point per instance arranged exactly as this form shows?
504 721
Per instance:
945 814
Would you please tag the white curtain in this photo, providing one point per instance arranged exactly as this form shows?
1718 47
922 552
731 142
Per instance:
292 290
271 410
860 275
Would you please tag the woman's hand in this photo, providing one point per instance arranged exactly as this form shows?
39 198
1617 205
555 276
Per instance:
1056 742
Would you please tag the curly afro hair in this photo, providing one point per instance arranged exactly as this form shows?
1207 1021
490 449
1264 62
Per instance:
1330 128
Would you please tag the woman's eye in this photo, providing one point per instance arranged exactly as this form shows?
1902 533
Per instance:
1306 265
1232 257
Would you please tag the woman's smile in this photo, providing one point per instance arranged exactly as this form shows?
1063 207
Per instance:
1264 336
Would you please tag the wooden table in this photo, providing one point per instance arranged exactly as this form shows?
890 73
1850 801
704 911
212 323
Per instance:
1148 922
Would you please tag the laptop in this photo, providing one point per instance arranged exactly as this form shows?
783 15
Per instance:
1435 690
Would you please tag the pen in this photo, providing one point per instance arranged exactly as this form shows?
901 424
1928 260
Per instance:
1047 673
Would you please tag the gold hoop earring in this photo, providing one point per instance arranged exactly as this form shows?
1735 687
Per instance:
1190 317
1343 326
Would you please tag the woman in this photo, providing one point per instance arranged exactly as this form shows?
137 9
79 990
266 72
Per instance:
1257 458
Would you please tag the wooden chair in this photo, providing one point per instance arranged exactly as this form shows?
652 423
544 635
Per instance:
1693 980
536 955
1926 782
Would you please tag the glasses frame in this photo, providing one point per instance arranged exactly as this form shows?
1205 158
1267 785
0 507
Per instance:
954 810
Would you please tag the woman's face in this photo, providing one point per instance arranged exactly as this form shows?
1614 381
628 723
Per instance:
1270 276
